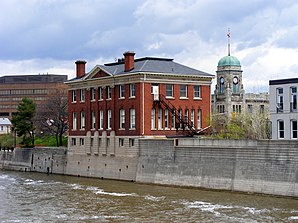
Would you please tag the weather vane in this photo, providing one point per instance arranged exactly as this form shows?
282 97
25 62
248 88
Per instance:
229 36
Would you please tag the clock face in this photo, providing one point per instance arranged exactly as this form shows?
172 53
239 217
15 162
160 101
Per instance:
221 80
235 80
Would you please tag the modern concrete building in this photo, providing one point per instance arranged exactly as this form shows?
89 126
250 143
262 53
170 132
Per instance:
283 108
14 88
115 104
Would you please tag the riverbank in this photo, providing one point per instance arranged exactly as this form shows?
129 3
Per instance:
265 167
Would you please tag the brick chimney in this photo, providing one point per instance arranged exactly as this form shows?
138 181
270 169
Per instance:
80 68
129 60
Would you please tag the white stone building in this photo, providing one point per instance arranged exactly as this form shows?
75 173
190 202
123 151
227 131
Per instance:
283 108
5 126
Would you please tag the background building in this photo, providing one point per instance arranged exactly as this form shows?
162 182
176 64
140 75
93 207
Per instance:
283 108
114 104
5 126
14 88
229 96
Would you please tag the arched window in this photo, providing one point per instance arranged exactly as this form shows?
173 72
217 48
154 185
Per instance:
235 85
221 85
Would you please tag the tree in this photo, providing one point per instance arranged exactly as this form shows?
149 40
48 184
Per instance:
23 121
51 117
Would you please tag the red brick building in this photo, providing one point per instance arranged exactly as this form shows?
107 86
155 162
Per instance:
120 102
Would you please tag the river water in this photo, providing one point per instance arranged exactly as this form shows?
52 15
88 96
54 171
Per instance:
36 197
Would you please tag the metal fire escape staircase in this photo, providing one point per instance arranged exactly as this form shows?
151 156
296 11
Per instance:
183 123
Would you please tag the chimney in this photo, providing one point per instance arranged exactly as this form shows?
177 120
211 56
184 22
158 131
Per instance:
129 60
80 68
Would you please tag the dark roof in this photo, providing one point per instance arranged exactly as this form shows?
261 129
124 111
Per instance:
283 81
153 65
26 79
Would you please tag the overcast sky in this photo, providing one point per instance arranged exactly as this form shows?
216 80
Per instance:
47 36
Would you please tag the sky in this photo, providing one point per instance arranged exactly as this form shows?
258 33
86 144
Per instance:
48 36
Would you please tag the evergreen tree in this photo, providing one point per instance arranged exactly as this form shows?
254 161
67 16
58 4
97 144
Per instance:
23 121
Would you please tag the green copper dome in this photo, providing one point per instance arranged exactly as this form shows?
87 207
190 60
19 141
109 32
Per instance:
229 61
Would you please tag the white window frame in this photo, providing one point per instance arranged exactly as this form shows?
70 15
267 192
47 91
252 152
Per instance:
280 131
132 90
82 116
166 121
183 91
199 119
74 121
82 95
132 114
93 94
122 119
109 119
121 91
74 95
153 118
197 92
100 119
192 117
294 131
159 126
109 93
100 94
93 120
169 92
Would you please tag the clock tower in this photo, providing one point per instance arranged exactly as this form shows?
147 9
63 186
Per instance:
229 93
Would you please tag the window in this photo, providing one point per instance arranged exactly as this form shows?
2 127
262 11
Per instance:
121 91
192 117
262 109
169 90
131 142
122 119
93 94
74 120
237 108
109 119
121 142
294 129
82 95
153 119
132 90
249 108
180 117
82 120
101 119
74 95
108 142
235 85
100 93
183 91
73 141
221 85
166 118
109 93
93 119
154 86
293 103
160 118
197 91
199 125
186 116
132 115
82 141
173 120
279 100
221 108
281 129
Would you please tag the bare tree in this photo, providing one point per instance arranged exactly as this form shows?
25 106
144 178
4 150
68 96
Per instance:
51 116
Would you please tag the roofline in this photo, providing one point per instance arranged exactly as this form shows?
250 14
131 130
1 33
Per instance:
283 81
139 59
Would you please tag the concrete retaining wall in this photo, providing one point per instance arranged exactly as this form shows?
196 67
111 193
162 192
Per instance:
269 167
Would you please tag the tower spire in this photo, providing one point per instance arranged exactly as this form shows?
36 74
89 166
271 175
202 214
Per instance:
229 45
